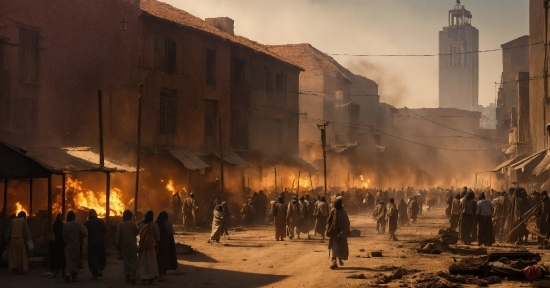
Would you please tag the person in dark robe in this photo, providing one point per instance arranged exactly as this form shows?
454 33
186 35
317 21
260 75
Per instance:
468 209
278 210
149 236
218 223
126 233
97 252
321 214
412 209
56 252
176 208
379 216
485 235
227 219
402 209
73 232
167 259
392 215
338 226
515 224
543 216
455 213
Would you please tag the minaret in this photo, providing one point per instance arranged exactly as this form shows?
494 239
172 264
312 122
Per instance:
459 61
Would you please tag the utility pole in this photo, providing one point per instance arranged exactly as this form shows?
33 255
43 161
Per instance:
221 159
324 143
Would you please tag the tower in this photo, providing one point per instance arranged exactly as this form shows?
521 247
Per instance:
459 61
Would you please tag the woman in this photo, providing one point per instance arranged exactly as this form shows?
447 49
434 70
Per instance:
149 236
217 224
167 259
73 232
227 219
57 247
97 253
337 230
279 218
321 213
126 233
18 234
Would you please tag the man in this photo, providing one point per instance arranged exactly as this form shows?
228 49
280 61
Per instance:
449 196
126 244
176 207
218 218
392 216
412 209
544 220
73 232
379 215
402 209
320 214
278 210
485 235
516 226
189 211
17 235
262 207
304 223
294 217
420 200
246 212
338 226
499 214
468 209
455 212
97 250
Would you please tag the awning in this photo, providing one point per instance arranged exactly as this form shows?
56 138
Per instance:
510 149
339 148
15 163
233 159
507 163
76 159
189 160
544 165
525 161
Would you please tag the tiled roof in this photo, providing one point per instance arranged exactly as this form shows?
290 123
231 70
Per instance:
310 58
167 12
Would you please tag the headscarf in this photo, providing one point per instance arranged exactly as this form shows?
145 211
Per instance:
470 195
219 207
457 196
302 198
148 217
71 216
59 218
294 199
338 204
22 214
224 205
482 196
127 215
92 214
163 216
323 199
279 199
391 200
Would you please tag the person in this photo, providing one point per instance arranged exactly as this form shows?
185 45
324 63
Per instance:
217 224
338 226
412 209
515 225
149 236
97 252
56 251
392 215
543 217
262 206
73 232
17 236
211 206
420 201
467 209
303 224
485 235
294 217
455 212
125 241
379 215
499 214
449 197
402 212
189 211
227 219
321 214
279 218
167 259
176 208
247 212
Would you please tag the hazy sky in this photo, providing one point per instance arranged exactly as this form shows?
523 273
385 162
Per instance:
377 27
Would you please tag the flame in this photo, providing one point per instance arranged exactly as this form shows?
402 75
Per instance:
304 183
172 188
84 198
19 208
365 183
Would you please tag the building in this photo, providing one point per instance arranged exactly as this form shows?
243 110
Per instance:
488 116
459 61
204 89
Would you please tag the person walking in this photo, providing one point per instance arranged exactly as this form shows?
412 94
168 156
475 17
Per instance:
279 218
485 235
217 224
392 215
167 259
56 251
338 226
73 233
126 233
149 236
17 236
97 252
321 214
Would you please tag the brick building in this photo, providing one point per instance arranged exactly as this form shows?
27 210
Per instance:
195 74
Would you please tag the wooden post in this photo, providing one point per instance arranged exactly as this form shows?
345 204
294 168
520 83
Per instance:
50 200
63 194
5 209
275 170
100 111
30 197
108 199
310 181
298 189
138 149
221 159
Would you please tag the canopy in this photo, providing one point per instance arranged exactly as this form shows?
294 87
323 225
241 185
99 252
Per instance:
544 165
233 159
507 163
188 159
525 161
15 163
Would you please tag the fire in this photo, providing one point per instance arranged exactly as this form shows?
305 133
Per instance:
84 198
304 183
365 183
19 208
172 188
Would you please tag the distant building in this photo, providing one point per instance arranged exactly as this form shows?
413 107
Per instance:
488 116
458 61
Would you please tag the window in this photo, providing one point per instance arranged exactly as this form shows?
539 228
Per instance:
210 67
280 82
339 95
457 55
28 55
237 71
165 55
22 120
268 80
210 121
167 119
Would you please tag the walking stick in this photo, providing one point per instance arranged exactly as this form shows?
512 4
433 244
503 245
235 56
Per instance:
530 211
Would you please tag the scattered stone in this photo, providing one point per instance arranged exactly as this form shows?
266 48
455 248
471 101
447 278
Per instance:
397 274
238 229
244 259
376 253
399 246
361 250
270 266
354 233
357 276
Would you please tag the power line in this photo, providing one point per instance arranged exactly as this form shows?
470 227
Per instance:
429 55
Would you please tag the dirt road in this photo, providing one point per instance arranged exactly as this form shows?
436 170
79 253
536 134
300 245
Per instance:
252 258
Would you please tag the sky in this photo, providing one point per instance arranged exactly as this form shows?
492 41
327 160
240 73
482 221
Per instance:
378 27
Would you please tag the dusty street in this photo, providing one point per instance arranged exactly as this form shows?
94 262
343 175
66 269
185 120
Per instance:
252 258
